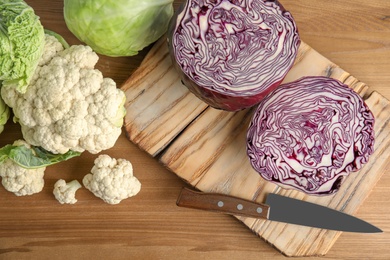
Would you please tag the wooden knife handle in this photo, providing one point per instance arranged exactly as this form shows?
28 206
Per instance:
221 203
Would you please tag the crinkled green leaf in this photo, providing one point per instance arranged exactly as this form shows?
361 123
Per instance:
22 40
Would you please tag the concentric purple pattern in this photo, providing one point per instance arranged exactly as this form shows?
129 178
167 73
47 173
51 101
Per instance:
231 54
310 134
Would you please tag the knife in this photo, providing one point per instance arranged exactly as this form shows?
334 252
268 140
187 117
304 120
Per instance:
276 208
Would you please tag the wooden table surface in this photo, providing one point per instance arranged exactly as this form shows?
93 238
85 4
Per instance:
355 34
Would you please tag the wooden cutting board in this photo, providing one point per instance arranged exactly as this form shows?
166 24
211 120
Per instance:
207 147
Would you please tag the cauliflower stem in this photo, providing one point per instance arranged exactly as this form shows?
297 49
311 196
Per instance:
65 192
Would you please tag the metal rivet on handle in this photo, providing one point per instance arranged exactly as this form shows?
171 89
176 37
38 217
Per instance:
240 206
259 210
220 204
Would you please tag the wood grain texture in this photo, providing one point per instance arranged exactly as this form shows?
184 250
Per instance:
210 153
150 225
154 95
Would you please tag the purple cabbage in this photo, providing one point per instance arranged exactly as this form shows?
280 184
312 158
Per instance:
310 134
232 53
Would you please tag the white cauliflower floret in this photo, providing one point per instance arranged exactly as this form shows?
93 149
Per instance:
68 104
112 179
19 180
64 192
52 47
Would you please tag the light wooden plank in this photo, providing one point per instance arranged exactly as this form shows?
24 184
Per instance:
159 106
209 152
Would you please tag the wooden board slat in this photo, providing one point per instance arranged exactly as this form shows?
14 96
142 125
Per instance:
207 147
154 95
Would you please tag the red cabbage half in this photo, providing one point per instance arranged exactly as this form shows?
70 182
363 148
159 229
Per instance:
232 53
310 134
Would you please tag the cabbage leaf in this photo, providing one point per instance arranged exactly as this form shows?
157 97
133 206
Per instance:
22 40
33 157
120 27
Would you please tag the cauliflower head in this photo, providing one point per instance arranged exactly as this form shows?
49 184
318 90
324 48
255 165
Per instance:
19 180
112 179
65 192
68 104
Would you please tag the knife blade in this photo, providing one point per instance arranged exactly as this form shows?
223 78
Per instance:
276 208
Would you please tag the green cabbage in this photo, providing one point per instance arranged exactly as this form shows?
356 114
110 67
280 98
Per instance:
22 40
118 27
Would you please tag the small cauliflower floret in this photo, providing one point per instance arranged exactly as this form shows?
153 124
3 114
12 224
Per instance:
68 104
112 179
65 192
19 180
52 47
